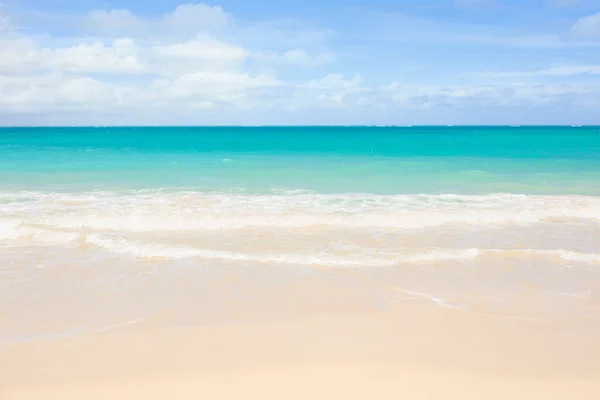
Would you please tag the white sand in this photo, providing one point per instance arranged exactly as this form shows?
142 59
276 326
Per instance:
410 352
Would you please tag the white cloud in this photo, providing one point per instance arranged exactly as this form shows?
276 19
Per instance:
266 97
120 58
176 73
113 22
55 92
239 90
186 20
202 48
177 70
195 62
197 18
23 56
587 27
201 53
330 91
493 95
18 55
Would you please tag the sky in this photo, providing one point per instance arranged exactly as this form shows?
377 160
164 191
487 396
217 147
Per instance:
293 62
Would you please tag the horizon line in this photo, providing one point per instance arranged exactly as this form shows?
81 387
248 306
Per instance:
311 126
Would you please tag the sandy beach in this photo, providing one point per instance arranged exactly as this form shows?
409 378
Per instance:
92 307
299 200
417 352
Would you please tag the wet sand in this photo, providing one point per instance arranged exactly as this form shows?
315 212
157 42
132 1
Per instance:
418 351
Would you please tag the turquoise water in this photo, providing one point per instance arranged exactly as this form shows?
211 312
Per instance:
381 160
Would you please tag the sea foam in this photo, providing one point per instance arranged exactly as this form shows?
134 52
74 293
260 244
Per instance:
189 211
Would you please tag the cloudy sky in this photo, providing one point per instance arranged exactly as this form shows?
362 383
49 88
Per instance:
105 62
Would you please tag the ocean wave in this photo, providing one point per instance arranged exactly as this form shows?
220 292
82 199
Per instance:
15 230
329 256
363 257
282 196
148 211
401 220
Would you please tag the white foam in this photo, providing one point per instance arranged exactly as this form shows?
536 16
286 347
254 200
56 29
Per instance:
582 257
148 211
205 219
444 255
560 253
12 229
360 258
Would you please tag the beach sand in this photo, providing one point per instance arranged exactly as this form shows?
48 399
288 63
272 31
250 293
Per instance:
405 352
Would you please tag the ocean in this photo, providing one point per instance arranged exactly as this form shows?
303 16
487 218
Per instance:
104 227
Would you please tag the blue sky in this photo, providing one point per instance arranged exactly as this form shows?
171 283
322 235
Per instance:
98 62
